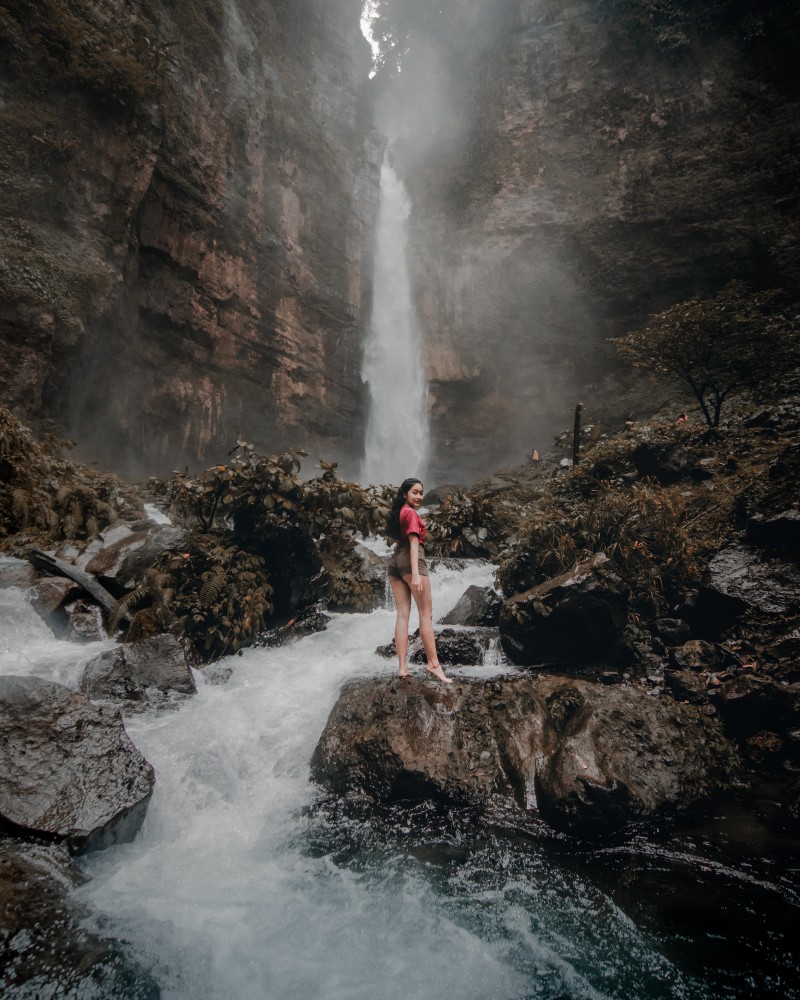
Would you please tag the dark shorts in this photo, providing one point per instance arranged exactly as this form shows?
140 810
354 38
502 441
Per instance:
400 562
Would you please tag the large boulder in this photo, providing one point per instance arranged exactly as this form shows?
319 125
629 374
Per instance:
45 951
67 767
126 557
579 615
479 606
741 578
152 672
586 757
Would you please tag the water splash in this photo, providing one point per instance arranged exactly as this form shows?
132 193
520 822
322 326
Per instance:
397 425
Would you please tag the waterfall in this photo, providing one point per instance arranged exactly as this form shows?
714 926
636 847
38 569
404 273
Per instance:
397 424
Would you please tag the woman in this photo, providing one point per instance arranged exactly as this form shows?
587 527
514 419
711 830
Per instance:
408 576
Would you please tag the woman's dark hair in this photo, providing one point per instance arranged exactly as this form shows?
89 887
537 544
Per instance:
393 518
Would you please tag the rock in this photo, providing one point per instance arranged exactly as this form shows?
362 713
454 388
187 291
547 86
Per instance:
780 531
16 572
439 494
696 654
587 757
67 767
578 615
306 622
44 950
687 685
462 647
477 606
739 578
85 622
749 703
149 673
764 748
123 563
672 631
786 647
667 466
455 648
51 593
762 417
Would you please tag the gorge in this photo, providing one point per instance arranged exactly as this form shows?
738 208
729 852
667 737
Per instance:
240 243
190 197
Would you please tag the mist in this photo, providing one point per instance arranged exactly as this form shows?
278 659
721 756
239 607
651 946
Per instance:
508 332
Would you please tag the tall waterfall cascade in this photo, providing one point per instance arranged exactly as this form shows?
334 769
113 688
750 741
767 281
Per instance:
396 443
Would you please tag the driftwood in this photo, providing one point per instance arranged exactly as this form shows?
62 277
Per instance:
48 563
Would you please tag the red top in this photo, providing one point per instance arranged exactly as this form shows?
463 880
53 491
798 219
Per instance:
411 524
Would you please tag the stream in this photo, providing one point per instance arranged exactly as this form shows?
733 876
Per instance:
244 883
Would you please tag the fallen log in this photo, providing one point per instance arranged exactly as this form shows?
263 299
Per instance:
43 560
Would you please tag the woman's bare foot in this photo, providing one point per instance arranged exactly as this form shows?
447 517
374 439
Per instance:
403 672
438 673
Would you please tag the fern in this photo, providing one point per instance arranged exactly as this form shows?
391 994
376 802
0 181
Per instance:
212 588
124 605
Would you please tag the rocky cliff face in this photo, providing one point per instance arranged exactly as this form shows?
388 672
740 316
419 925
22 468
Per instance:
590 178
186 198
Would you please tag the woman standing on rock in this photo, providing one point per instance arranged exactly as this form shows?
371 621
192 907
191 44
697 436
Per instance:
409 578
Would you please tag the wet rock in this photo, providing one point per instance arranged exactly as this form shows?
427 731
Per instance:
51 593
696 654
16 572
152 672
477 606
672 631
764 748
44 951
85 622
740 577
780 531
439 494
687 685
67 767
462 647
587 757
455 648
306 622
666 465
122 563
749 703
578 615
786 647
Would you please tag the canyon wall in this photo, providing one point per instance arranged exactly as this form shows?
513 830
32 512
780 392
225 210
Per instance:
569 178
187 193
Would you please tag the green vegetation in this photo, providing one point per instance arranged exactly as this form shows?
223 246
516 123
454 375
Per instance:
46 499
736 340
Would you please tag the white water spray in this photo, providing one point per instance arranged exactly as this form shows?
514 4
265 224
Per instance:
397 424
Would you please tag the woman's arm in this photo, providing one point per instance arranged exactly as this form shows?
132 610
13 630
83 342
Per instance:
416 579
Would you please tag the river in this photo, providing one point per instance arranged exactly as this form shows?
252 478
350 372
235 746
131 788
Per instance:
244 884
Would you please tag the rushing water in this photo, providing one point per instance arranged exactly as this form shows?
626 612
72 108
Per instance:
244 884
397 424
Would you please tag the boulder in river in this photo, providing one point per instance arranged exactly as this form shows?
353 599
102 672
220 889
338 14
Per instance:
586 757
67 767
151 672
44 949
579 615
479 606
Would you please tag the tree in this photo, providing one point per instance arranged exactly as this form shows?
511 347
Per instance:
738 339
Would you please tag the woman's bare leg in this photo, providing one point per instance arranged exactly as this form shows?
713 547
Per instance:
402 598
425 608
